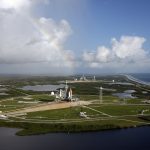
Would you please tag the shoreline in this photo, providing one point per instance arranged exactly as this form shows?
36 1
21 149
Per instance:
20 131
130 77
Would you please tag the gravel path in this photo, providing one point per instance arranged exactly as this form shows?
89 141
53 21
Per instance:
47 106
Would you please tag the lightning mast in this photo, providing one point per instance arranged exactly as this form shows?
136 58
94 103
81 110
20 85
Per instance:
66 86
101 94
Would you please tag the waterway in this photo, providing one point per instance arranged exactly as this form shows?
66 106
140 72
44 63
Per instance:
125 94
43 87
142 76
123 139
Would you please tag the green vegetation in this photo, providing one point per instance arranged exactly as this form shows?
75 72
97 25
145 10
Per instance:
89 97
43 97
41 128
10 105
135 101
119 110
67 113
113 113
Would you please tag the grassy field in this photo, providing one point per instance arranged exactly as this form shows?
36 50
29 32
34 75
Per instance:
10 105
41 128
73 112
43 97
113 113
118 110
67 113
14 103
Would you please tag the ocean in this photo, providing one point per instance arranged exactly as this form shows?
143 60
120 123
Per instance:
142 76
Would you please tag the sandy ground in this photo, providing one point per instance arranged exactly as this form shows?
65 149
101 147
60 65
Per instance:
47 106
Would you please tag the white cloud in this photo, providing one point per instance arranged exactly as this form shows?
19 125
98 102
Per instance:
88 56
14 4
129 46
126 54
19 4
25 39
103 54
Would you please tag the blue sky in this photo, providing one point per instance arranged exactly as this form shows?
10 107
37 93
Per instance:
109 36
95 22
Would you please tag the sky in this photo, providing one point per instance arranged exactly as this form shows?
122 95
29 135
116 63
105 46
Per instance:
63 37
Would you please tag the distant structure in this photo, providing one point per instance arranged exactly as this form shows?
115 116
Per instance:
83 78
75 79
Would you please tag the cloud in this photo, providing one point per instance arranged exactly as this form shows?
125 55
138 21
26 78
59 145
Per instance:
102 55
126 53
26 39
20 4
129 46
14 4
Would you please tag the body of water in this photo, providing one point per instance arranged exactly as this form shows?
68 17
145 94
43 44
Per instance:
125 94
142 76
42 87
123 139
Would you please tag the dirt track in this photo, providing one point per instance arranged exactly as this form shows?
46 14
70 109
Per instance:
47 106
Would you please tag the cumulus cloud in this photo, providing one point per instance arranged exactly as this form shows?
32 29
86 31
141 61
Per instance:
101 55
26 39
19 4
14 4
126 52
129 46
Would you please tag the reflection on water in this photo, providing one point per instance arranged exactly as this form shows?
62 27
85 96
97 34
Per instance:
129 91
124 139
125 94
